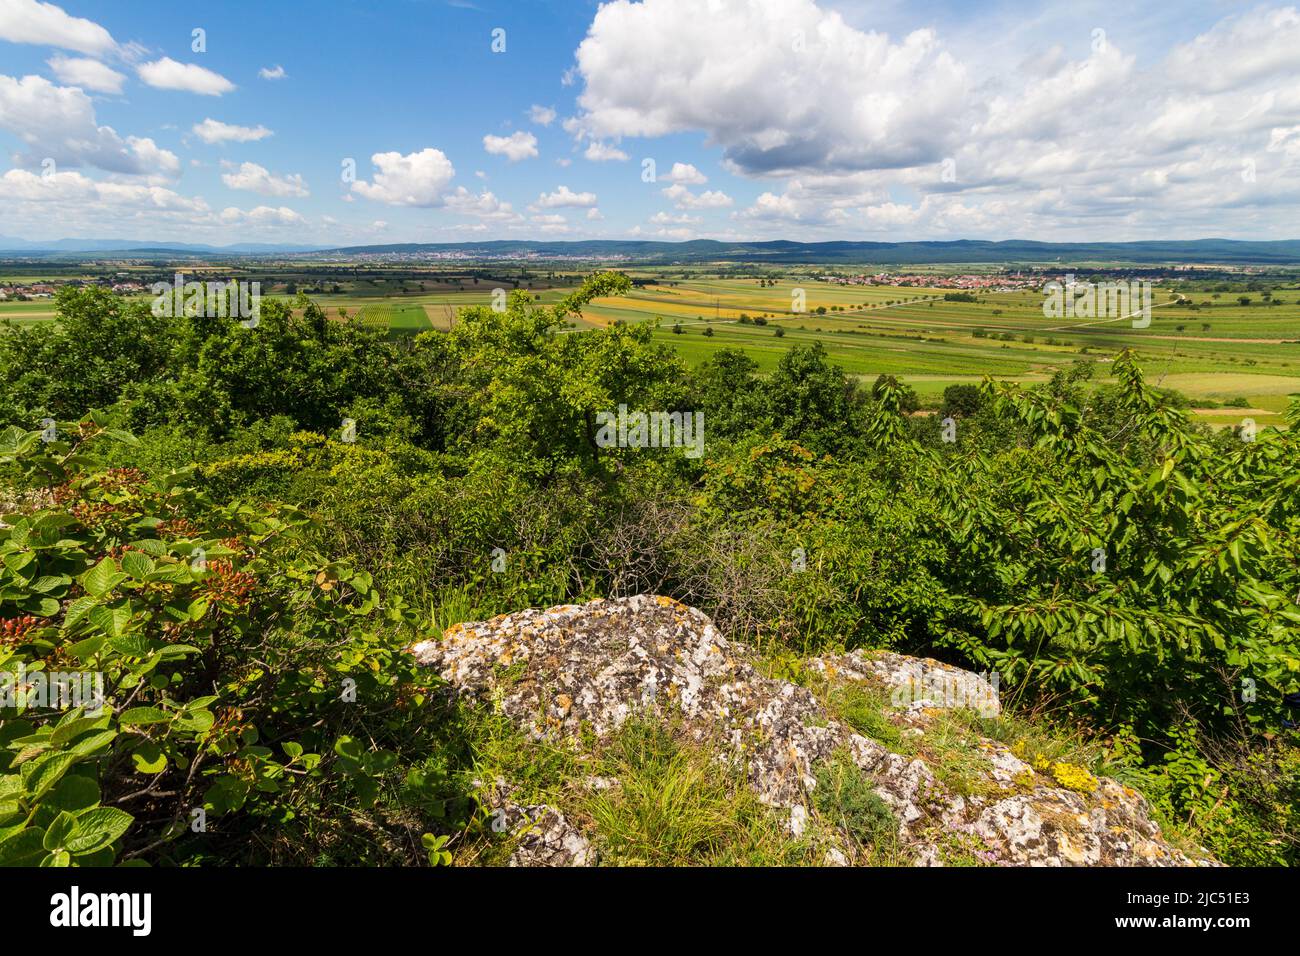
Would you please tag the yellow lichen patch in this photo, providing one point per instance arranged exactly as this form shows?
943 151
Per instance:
1073 777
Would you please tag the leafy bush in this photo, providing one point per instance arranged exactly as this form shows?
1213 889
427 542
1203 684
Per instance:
236 672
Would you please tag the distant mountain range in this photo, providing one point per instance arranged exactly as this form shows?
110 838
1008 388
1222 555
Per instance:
10 244
1193 251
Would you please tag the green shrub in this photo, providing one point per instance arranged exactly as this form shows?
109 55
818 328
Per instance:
242 680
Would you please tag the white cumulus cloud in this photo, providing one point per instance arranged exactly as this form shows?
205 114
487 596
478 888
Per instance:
683 198
168 74
518 145
564 196
685 174
58 123
416 179
262 216
87 74
803 90
258 179
214 131
29 21
599 152
541 115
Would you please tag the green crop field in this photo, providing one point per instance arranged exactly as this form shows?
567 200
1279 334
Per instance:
410 318
27 311
1218 352
376 316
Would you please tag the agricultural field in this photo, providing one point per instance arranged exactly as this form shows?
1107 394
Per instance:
1221 352
397 317
24 312
1232 360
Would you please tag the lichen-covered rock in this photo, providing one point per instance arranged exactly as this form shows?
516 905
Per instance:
542 835
915 683
592 666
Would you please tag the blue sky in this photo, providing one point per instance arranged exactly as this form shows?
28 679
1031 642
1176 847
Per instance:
800 119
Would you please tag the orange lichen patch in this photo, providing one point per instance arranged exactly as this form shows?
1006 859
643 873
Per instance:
564 703
1069 852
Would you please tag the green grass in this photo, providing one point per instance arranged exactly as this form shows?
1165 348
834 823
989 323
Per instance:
845 800
674 804
671 802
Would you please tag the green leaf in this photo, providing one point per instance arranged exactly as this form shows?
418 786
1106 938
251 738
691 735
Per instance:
149 758
121 435
66 732
132 645
150 546
92 743
102 578
198 721
98 828
78 609
59 831
42 606
226 794
44 772
349 753
141 716
74 793
136 564
112 621
49 582
23 848
83 650
16 561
